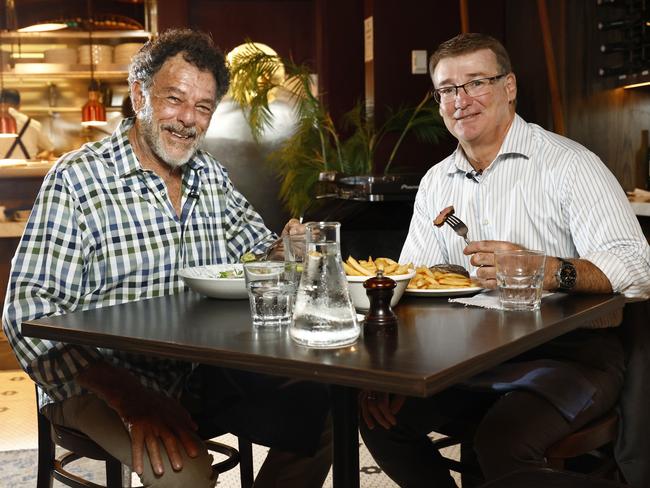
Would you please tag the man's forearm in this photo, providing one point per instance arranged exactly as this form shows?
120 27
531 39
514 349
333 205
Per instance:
589 278
112 384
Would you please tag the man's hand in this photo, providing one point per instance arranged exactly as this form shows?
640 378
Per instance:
482 253
291 228
380 408
150 417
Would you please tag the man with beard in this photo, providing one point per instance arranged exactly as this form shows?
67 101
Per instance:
114 222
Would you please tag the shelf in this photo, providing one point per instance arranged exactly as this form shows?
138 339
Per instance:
24 169
11 229
48 71
641 208
71 37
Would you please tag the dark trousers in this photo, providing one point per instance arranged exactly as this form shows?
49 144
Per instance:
510 431
268 410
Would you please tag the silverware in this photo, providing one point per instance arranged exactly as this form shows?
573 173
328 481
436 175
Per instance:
458 225
269 250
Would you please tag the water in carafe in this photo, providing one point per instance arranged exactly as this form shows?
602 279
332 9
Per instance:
323 313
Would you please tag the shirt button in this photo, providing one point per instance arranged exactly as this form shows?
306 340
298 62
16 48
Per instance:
486 222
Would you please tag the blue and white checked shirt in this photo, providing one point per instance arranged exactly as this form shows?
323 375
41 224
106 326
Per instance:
542 191
103 231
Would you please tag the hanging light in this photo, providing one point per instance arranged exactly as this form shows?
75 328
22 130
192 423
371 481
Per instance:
8 127
93 113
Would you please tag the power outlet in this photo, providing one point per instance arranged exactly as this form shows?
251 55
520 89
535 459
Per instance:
419 62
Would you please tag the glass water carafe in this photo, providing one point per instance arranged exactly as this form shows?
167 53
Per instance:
323 314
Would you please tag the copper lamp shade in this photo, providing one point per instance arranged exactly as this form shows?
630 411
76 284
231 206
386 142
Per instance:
7 123
93 113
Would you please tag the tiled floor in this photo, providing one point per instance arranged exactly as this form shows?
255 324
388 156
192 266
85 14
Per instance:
18 432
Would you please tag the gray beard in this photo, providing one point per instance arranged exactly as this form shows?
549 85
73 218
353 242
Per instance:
152 138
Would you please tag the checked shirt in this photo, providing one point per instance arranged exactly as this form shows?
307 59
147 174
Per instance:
103 231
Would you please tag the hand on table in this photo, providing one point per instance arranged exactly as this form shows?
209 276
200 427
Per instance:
482 253
380 408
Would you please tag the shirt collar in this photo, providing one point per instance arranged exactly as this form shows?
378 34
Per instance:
117 151
518 142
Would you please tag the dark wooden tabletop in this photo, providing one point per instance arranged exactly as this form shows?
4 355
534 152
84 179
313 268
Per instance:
437 344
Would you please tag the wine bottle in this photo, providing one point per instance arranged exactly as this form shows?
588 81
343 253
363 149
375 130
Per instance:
621 23
627 4
620 71
629 47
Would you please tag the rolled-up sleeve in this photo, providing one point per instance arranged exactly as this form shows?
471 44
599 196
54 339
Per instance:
604 228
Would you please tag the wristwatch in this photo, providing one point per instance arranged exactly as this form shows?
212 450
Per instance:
566 275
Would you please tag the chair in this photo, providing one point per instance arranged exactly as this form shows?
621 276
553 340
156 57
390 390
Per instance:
587 442
81 446
546 478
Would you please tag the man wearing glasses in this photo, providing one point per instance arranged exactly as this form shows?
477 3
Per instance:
516 186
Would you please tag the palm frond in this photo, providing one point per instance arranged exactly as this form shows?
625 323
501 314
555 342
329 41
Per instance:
315 144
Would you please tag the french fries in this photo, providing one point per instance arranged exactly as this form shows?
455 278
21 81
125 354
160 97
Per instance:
369 267
425 279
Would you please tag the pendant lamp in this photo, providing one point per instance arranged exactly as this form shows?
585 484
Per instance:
8 126
93 113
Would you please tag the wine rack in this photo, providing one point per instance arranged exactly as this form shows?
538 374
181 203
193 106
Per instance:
623 28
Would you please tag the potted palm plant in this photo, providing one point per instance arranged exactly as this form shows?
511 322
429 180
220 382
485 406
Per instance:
316 146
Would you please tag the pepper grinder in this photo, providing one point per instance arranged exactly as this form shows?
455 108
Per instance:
380 316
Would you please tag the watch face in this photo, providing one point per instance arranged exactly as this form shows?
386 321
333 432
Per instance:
567 275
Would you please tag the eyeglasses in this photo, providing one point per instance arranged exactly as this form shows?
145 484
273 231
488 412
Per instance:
473 88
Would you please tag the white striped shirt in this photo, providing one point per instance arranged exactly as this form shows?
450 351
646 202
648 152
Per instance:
542 191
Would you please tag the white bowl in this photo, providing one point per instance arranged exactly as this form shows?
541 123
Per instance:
207 280
358 292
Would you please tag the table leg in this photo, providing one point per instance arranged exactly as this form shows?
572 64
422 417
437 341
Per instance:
345 424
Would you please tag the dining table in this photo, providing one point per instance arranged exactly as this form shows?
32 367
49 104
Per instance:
436 344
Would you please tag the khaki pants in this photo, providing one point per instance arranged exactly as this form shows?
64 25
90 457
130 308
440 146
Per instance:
90 415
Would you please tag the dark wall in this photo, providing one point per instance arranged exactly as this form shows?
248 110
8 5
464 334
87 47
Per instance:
329 33
285 25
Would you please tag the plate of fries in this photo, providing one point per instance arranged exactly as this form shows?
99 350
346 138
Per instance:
438 283
368 267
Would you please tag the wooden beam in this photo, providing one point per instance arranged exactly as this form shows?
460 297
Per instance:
464 17
551 69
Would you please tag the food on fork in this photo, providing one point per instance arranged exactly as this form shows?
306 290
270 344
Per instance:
440 220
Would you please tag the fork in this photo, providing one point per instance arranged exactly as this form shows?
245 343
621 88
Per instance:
458 225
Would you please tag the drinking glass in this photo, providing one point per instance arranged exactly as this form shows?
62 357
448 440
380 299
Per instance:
271 287
520 276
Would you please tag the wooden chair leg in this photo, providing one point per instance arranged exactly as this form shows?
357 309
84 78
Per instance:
45 453
245 462
114 474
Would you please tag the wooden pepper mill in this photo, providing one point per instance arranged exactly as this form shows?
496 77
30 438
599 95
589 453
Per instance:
380 316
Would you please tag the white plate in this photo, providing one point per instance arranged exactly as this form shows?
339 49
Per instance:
206 281
444 292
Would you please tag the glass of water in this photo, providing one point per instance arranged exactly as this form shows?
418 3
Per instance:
520 276
271 289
